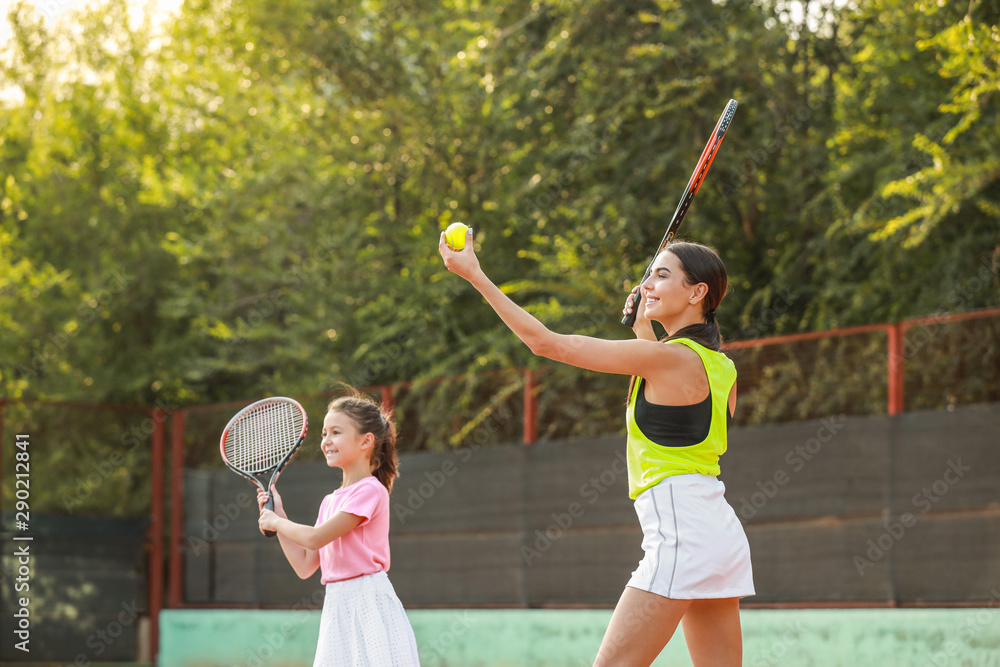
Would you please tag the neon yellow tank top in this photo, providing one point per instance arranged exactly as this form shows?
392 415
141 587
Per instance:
650 463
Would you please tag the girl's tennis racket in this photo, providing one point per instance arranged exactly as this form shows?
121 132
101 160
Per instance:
262 438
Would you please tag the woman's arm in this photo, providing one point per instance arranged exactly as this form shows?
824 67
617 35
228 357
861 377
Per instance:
625 357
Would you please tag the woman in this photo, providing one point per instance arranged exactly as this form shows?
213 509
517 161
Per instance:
683 393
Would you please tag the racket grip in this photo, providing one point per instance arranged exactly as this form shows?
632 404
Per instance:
629 320
269 505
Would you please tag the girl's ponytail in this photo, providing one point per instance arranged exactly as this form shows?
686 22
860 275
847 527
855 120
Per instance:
372 418
385 460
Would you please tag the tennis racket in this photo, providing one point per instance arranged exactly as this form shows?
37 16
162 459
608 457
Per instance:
697 178
262 438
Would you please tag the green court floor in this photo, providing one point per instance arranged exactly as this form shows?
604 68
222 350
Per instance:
564 638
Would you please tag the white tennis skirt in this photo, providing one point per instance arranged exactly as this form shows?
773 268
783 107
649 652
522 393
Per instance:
364 625
694 544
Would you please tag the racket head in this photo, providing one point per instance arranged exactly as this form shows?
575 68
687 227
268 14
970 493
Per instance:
711 149
694 184
262 438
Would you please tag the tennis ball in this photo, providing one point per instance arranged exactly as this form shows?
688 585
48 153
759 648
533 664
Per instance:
454 236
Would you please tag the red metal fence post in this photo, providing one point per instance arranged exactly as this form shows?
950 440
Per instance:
530 408
897 368
388 402
156 530
177 425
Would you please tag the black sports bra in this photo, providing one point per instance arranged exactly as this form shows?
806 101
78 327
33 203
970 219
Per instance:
674 425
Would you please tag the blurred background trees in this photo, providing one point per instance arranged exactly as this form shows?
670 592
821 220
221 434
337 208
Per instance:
247 198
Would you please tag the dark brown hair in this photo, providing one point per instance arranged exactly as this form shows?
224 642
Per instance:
701 264
370 417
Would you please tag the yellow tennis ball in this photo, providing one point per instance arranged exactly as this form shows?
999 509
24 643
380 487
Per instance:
454 236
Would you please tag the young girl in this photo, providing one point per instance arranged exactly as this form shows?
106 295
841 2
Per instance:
363 622
683 394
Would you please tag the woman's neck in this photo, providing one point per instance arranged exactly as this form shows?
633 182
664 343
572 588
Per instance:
685 319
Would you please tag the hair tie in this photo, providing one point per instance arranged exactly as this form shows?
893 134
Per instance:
710 316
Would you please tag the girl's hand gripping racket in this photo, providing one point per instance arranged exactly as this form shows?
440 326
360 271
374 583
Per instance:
262 438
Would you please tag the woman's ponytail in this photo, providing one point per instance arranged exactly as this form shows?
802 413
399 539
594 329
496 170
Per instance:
701 264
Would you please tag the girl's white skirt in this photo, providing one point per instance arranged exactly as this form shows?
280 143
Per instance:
363 624
694 544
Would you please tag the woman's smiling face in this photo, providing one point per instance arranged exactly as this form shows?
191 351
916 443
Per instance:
667 292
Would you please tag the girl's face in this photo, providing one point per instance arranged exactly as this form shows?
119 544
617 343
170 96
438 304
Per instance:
342 444
666 292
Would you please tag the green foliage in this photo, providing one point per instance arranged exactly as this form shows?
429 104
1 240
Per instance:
912 180
247 198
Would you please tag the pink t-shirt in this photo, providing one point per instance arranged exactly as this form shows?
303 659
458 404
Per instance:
364 550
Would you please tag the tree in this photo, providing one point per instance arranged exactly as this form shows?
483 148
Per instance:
911 162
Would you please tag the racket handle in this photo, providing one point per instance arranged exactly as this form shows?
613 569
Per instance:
629 320
269 505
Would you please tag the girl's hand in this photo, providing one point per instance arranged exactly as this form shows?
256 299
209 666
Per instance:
262 497
268 521
463 262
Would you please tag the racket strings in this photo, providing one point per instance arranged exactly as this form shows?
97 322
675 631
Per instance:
261 438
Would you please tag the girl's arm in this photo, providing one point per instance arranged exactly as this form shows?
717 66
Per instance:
310 538
304 561
625 357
